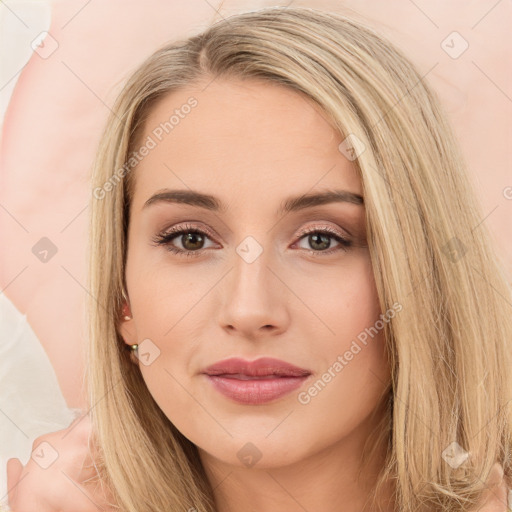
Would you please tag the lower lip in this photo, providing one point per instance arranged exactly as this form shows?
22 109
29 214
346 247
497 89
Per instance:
255 391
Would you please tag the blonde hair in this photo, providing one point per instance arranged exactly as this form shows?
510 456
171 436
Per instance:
450 347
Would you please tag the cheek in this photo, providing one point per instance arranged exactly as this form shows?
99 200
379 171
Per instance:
342 299
352 348
161 303
354 370
163 290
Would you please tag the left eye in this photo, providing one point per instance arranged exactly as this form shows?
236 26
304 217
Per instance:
321 239
192 240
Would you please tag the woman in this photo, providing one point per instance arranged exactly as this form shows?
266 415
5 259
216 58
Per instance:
294 304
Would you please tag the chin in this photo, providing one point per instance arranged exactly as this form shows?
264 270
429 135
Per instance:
256 452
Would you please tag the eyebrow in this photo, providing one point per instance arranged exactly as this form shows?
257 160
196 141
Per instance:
290 204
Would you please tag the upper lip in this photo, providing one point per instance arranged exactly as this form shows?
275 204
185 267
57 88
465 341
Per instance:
258 368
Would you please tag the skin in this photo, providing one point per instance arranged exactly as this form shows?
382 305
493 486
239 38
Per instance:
45 190
252 145
310 453
46 293
71 484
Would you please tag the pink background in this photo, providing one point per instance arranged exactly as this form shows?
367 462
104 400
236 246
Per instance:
60 103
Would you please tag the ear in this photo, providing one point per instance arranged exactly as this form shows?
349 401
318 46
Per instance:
127 331
126 326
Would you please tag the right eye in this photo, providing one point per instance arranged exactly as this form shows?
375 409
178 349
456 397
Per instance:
188 235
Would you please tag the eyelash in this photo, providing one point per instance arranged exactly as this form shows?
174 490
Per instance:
166 237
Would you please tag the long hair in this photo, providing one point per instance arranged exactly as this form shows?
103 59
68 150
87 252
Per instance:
450 347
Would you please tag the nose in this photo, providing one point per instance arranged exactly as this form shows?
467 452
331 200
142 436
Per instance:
254 301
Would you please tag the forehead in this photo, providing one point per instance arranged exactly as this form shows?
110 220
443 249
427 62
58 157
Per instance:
241 139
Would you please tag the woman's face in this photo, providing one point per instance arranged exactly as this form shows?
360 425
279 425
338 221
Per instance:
263 279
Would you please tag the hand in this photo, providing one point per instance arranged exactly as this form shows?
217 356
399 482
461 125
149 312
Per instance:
60 475
495 498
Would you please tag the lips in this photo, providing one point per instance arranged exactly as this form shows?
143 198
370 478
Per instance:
265 367
255 382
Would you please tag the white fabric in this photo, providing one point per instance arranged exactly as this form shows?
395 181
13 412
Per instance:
31 402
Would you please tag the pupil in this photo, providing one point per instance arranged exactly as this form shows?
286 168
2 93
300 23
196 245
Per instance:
191 237
325 239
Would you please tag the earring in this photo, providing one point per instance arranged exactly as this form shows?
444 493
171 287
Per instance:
134 347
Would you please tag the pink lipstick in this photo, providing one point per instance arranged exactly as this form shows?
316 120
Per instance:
255 382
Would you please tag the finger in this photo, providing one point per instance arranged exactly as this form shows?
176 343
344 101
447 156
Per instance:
14 469
88 468
60 492
494 498
496 476
70 495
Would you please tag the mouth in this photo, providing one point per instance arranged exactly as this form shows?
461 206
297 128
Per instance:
256 382
242 376
263 367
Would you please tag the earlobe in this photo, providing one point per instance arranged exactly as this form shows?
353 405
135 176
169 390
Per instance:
127 331
129 335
